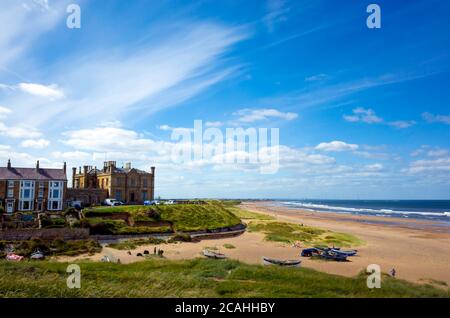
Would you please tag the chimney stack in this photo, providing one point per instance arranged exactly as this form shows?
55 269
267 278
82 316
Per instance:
74 172
9 163
65 167
153 170
37 166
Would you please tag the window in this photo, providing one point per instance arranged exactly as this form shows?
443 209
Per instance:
26 195
118 195
41 184
10 184
145 182
144 195
41 193
10 193
55 195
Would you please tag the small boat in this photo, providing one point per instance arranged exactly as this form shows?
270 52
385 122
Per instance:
347 253
213 254
13 257
287 263
37 255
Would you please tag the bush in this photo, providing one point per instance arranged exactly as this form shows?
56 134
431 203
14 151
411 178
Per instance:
2 209
180 238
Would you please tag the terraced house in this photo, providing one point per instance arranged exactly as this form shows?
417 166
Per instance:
32 189
126 184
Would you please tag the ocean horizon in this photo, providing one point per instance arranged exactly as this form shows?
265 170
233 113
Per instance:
434 210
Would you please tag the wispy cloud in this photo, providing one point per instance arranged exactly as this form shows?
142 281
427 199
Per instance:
369 116
431 118
336 146
248 115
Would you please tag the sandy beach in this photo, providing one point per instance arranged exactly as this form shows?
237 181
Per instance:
418 250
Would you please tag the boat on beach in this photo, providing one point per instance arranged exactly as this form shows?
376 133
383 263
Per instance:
284 263
333 254
37 255
213 254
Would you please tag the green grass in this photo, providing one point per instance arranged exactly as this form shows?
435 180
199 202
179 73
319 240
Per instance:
229 246
157 277
247 215
133 244
291 232
183 217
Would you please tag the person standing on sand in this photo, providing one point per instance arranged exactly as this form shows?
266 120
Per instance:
392 272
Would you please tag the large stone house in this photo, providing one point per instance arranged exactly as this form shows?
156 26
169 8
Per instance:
126 184
32 189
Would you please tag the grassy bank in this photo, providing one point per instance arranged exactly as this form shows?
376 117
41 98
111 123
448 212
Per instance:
180 217
193 278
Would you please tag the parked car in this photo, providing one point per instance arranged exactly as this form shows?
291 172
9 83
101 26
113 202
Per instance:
153 202
169 202
110 202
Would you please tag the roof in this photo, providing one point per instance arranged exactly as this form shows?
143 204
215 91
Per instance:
32 174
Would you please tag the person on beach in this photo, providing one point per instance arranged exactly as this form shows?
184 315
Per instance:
392 272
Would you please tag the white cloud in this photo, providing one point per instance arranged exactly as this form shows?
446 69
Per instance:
431 118
19 131
435 165
402 123
437 153
317 77
72 155
247 115
363 115
49 91
4 112
369 116
108 139
336 146
35 143
373 167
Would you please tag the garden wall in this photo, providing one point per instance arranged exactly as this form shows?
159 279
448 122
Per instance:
46 234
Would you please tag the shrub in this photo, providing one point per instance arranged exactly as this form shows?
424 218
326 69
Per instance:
2 209
180 238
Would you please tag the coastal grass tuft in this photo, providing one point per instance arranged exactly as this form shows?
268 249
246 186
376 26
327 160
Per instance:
134 243
247 215
156 277
292 232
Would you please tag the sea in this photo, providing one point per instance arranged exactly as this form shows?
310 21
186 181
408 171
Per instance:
434 210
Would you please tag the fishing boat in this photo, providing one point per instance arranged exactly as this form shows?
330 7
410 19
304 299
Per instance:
213 254
37 255
347 253
287 263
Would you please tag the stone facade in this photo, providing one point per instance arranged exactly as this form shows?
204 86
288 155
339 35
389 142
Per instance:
126 184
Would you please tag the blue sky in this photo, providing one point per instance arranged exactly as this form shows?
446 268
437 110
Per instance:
362 113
